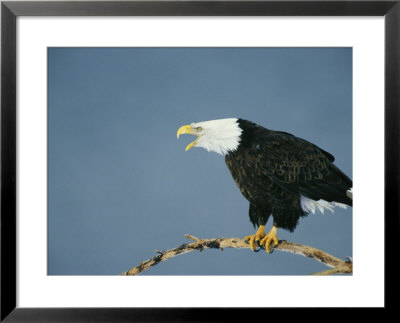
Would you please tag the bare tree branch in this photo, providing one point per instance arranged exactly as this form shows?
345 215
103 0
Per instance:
342 269
338 265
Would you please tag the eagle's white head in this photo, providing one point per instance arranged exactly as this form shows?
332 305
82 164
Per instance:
220 136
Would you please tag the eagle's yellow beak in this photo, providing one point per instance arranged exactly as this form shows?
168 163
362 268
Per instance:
188 129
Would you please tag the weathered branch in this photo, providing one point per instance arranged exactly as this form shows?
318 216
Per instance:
342 269
338 265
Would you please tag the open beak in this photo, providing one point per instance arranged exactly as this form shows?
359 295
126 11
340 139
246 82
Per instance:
188 130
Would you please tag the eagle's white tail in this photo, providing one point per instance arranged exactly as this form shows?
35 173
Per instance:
349 193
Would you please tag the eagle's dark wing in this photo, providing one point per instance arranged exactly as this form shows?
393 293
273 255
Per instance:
299 166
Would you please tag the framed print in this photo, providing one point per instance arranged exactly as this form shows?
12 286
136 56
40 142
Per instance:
96 186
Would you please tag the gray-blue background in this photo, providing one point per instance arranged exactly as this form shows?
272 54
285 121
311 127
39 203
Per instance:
121 185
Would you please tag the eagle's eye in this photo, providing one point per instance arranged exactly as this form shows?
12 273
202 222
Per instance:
199 128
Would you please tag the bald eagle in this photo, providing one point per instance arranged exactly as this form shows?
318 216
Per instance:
279 174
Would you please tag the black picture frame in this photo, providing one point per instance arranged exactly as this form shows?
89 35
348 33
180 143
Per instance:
10 10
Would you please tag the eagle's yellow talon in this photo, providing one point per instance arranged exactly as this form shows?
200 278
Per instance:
270 239
250 239
258 236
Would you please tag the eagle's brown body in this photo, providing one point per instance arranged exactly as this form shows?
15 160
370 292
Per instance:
274 169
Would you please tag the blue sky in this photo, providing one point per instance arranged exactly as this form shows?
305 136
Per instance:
121 185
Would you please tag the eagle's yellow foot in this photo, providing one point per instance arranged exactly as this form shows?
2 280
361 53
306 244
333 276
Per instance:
253 239
271 237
